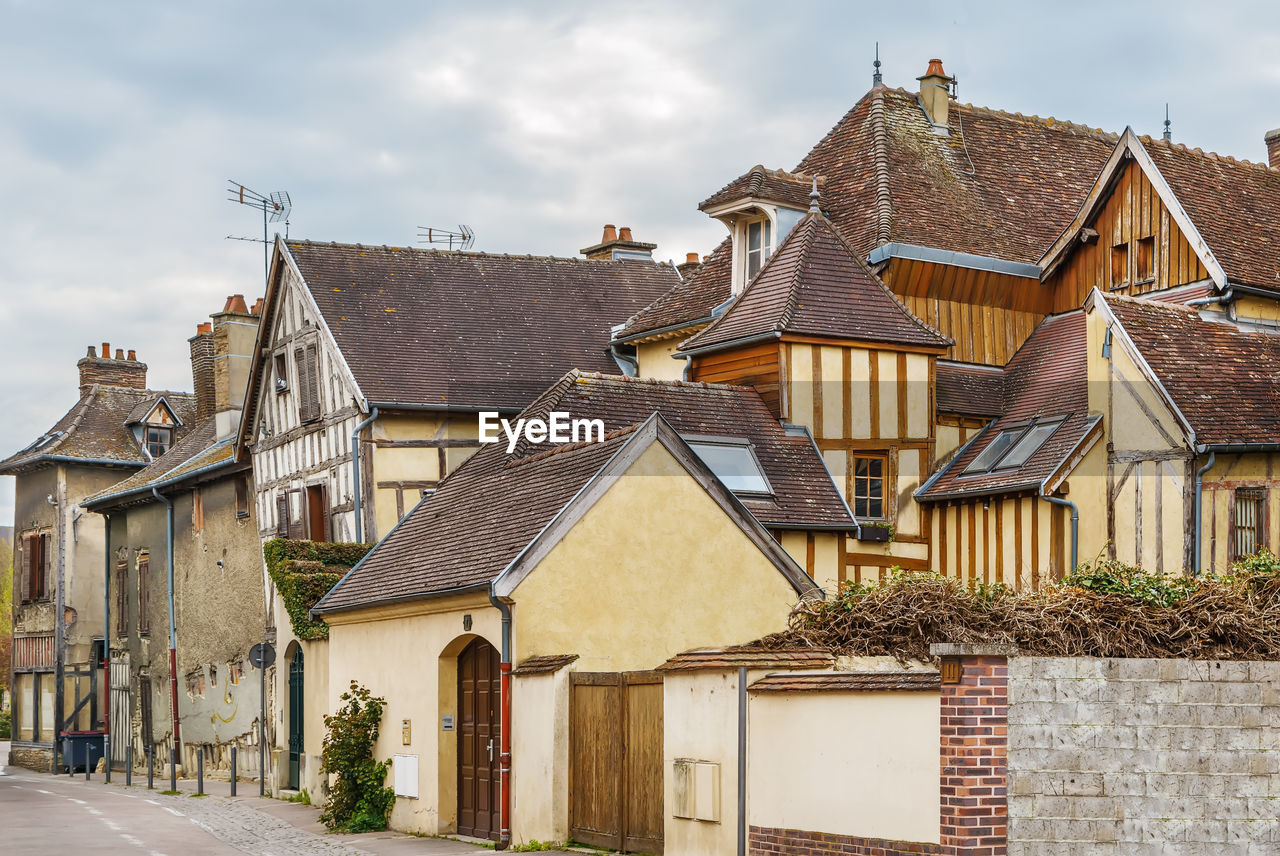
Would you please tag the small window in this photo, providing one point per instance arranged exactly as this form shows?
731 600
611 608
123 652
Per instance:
1030 443
1012 448
1146 260
281 373
1249 523
242 496
35 559
868 485
1120 266
995 450
144 594
759 246
158 440
735 464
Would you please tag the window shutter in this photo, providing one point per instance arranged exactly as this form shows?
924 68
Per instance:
28 566
42 568
282 515
326 535
304 388
122 599
296 525
312 383
144 594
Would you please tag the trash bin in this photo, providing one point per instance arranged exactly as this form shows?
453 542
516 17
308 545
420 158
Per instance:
79 748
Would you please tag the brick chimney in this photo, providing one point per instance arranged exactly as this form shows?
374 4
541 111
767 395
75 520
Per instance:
105 371
690 266
234 334
1273 148
202 369
935 93
618 245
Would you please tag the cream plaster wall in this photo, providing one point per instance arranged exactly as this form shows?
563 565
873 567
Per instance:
656 361
540 757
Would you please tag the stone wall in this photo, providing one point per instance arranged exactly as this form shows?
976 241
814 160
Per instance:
1135 756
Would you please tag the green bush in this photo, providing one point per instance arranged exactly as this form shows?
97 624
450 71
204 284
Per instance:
304 572
1110 576
358 798
5 724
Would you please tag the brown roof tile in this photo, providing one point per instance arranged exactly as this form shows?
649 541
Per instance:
815 285
471 329
197 451
771 185
828 682
1225 381
969 390
749 657
687 303
544 664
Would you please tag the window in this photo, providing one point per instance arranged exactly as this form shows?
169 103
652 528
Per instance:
1145 270
197 511
317 513
158 440
281 373
868 485
1249 522
735 464
122 599
35 559
242 496
759 246
307 366
144 594
1120 266
1012 448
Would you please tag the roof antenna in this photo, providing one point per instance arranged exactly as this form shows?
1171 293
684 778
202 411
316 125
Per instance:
460 240
813 198
275 207
1168 135
877 79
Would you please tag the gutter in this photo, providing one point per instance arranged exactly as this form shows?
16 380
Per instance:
1075 525
443 408
504 727
670 328
69 459
317 612
355 472
915 252
173 631
771 336
742 761
114 498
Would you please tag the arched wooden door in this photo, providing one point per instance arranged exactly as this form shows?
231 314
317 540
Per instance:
479 741
295 720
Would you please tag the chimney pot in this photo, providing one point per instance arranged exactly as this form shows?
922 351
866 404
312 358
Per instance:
1272 139
92 354
204 328
120 353
106 350
935 93
935 67
624 234
610 233
133 356
104 371
257 307
235 303
691 258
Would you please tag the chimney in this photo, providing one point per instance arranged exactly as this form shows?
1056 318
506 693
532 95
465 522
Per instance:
690 266
105 371
257 307
234 332
1273 148
935 93
618 245
202 369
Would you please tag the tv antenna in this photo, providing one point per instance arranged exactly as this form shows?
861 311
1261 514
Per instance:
275 207
459 240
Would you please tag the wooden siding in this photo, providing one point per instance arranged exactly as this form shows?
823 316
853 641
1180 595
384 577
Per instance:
989 315
1132 211
755 365
1020 541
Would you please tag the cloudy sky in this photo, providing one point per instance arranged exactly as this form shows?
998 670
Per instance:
534 123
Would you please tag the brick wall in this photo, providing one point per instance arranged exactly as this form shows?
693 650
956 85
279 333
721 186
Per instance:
973 742
202 370
767 840
1136 756
127 372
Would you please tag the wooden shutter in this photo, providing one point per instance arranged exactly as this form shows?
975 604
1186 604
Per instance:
28 566
144 594
304 389
297 528
312 382
42 568
282 515
122 598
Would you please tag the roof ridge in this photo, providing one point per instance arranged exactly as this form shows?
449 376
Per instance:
1141 301
793 288
84 403
1214 156
653 381
1044 121
880 161
293 242
565 448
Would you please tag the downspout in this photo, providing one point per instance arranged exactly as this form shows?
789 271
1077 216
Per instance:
355 471
742 761
624 361
1075 525
173 631
1199 527
106 644
504 726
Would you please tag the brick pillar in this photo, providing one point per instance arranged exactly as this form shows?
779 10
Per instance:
973 734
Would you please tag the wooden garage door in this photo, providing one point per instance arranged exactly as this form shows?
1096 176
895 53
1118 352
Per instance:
615 760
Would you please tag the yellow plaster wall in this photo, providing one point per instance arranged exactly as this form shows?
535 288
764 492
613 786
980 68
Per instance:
655 359
540 739
1257 308
414 463
634 581
1229 472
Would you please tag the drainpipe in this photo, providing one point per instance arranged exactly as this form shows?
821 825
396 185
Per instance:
173 632
1199 527
504 727
629 365
1075 525
355 471
742 761
106 644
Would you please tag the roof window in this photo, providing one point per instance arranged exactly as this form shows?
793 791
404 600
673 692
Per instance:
1012 448
734 462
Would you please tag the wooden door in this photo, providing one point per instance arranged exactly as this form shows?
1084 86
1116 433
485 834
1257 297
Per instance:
479 742
296 720
121 712
615 760
317 513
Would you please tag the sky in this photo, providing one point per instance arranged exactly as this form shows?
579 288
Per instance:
533 123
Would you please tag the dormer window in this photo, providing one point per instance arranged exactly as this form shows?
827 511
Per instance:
759 246
158 440
734 462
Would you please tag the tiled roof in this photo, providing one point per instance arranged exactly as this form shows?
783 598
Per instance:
804 495
470 329
1222 379
1234 205
969 390
1001 185
1046 378
849 682
689 302
815 285
197 450
750 657
772 185
544 664
96 428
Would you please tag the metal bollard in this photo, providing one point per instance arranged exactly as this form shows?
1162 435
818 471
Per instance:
87 757
173 768
128 765
200 771
151 768
106 755
233 771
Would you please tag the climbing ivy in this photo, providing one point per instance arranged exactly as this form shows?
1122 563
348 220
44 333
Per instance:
304 572
358 798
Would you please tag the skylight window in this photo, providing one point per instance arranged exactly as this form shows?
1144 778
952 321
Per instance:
735 464
1012 448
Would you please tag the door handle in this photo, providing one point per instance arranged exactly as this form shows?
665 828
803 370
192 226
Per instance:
490 750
